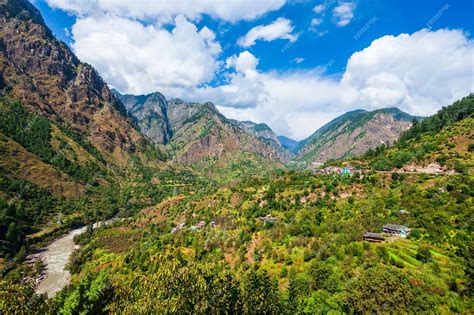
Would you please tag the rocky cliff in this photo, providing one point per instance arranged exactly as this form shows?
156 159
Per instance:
151 115
265 134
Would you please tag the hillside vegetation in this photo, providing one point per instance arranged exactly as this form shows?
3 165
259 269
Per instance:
289 242
446 139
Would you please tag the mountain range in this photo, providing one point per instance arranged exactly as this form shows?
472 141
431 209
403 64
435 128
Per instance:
348 135
51 81
197 213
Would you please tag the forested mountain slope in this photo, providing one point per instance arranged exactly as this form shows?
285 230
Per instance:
292 243
353 134
49 79
204 138
443 141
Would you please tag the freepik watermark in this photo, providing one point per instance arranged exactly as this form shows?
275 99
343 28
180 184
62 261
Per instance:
438 14
365 28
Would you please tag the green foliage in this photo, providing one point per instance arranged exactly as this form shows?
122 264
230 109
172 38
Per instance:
312 259
260 293
90 296
20 299
380 289
33 132
445 116
424 254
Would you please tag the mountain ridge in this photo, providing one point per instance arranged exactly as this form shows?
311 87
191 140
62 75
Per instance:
45 74
162 121
353 133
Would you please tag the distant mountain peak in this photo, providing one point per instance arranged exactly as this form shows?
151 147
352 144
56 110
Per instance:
353 133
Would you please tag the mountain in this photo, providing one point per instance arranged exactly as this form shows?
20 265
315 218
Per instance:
194 132
151 114
266 134
354 133
292 242
288 143
440 143
204 138
49 79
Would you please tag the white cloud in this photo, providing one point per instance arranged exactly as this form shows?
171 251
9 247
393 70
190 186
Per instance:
417 73
316 22
293 103
297 60
279 29
166 10
320 8
245 63
344 13
135 58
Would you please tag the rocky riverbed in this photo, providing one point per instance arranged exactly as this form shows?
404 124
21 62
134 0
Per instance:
55 257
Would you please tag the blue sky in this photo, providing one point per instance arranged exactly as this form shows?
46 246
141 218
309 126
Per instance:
292 71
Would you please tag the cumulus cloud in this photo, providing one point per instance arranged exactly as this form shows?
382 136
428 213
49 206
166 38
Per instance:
320 8
344 13
279 29
166 10
245 63
417 73
135 58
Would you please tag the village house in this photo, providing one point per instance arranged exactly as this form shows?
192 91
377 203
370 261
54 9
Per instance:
268 219
395 229
373 237
348 169
177 228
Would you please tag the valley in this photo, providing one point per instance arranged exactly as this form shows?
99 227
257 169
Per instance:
143 204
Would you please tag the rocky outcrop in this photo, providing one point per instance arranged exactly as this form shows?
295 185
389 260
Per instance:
151 115
201 133
353 134
266 135
49 79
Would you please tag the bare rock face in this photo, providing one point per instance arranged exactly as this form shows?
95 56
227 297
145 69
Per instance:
49 79
353 134
151 115
201 133
266 135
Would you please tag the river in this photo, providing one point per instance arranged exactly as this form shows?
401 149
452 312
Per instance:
55 257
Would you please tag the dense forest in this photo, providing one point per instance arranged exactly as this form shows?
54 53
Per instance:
289 242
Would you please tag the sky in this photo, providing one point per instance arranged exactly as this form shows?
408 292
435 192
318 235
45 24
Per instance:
293 64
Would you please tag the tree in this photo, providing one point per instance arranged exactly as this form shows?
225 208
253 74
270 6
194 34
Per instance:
424 254
12 233
260 293
380 289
